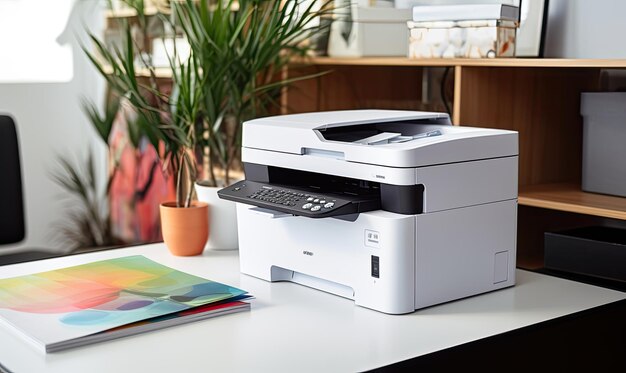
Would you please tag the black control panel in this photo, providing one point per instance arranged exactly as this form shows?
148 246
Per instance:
298 201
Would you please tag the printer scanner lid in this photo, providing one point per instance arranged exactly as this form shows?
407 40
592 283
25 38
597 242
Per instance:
390 138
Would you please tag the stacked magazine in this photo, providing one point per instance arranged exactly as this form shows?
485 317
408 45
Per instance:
109 299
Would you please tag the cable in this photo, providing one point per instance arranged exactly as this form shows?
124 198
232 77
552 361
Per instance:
442 90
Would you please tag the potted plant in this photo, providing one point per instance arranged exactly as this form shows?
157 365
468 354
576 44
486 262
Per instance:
233 73
167 117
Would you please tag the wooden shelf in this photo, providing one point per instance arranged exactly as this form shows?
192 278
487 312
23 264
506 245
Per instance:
469 62
165 72
151 10
570 198
159 72
129 12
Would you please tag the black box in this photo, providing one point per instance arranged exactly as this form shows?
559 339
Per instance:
592 251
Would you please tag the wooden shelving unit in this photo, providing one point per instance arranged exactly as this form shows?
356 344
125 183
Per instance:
539 98
461 64
570 198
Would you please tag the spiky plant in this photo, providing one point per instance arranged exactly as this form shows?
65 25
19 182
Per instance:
89 223
242 47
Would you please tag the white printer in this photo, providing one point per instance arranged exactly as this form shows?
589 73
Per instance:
397 210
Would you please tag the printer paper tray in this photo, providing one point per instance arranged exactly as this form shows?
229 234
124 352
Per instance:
298 201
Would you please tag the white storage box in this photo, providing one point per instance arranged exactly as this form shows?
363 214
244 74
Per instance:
369 32
604 142
463 31
462 39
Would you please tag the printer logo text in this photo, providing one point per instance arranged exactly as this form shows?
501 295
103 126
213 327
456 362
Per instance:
309 253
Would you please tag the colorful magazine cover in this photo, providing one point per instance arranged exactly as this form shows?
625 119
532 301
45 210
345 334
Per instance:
65 304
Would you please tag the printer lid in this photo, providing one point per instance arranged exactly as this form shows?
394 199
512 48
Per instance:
392 138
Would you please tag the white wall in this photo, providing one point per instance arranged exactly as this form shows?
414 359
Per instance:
48 114
586 29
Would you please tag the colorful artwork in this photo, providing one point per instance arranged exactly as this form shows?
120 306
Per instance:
77 301
138 183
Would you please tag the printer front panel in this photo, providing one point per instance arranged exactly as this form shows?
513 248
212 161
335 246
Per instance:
374 255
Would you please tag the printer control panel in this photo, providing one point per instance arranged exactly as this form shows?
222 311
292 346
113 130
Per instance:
295 201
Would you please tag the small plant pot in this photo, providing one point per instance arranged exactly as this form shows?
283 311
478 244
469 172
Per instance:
222 219
185 229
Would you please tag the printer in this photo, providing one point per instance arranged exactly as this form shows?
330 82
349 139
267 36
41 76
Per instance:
397 210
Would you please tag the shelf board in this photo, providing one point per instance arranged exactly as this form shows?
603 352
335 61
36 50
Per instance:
165 72
150 10
469 62
129 12
159 72
570 198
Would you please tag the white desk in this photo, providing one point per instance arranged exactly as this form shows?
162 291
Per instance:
293 328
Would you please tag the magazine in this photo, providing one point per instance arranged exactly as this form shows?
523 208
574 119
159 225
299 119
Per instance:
109 299
177 318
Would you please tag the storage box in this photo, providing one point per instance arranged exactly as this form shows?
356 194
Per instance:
369 32
593 251
464 39
604 142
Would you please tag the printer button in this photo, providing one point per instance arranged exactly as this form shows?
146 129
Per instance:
329 205
316 208
322 201
375 266
307 206
310 199
316 200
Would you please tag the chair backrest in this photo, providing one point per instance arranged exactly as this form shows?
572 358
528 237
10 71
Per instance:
12 228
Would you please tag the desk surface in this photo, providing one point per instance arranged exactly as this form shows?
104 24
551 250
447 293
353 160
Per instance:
295 328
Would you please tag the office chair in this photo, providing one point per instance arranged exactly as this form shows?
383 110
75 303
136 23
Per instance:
12 222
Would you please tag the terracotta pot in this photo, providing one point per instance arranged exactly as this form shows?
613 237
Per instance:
185 229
